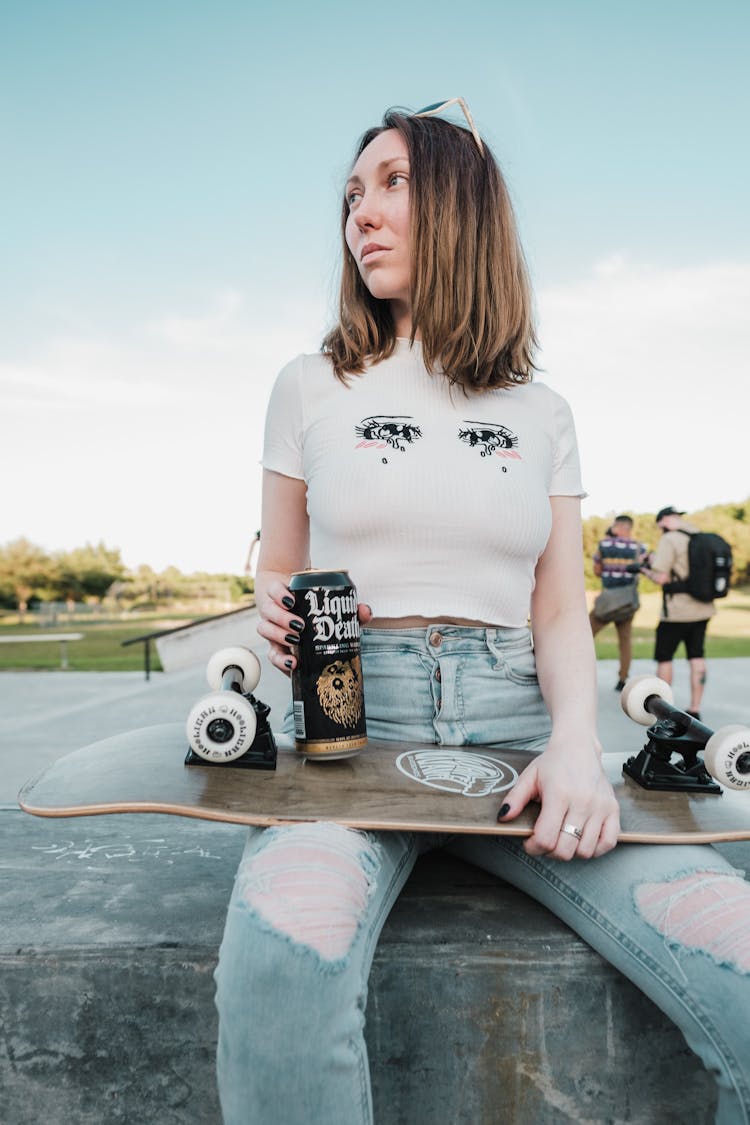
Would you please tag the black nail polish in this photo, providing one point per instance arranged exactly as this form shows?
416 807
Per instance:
292 639
287 663
287 601
503 810
298 625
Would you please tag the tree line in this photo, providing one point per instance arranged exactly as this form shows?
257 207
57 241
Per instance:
29 574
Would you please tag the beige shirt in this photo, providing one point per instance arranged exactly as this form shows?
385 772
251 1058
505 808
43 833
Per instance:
671 557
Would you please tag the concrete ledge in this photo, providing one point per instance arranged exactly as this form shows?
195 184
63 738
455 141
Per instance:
483 1008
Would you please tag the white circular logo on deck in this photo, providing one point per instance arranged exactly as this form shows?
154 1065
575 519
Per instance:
457 771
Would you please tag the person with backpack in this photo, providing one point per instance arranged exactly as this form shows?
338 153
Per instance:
693 568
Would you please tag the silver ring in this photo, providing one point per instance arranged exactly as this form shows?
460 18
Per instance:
572 830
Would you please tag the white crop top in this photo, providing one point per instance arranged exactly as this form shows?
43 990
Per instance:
435 502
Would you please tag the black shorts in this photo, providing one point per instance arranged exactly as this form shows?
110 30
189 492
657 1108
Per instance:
669 634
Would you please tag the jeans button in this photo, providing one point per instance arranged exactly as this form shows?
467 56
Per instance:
436 640
438 677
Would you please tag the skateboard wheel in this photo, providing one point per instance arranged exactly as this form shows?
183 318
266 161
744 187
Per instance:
727 757
221 726
239 657
637 691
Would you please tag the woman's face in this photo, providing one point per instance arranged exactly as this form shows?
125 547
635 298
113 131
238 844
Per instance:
377 228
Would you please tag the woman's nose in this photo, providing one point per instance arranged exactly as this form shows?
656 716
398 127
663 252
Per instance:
368 213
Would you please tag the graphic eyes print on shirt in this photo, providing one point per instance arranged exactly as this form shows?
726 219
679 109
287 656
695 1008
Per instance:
490 438
394 430
397 431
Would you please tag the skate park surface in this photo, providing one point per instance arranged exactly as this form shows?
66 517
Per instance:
110 926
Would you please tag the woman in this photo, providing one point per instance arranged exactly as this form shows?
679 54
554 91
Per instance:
417 452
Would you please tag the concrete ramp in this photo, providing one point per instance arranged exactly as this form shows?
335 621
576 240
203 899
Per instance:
193 644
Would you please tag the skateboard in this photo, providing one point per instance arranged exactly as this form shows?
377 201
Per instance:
389 785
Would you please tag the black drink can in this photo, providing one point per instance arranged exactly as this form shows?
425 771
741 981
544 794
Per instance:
327 688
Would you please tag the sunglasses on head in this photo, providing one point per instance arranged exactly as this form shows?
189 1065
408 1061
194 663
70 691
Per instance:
438 107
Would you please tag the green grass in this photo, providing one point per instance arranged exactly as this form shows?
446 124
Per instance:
101 649
643 645
728 631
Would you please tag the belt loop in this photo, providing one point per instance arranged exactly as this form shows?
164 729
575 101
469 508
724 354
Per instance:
493 646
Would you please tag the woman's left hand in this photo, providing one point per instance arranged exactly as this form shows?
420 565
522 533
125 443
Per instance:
574 792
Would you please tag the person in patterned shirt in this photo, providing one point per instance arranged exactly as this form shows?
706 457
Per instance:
616 552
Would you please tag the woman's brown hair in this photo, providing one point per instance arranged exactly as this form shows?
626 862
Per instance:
471 297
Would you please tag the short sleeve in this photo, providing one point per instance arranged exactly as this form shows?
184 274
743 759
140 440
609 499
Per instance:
566 466
282 443
664 556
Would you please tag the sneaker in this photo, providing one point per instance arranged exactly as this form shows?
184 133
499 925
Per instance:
619 685
694 714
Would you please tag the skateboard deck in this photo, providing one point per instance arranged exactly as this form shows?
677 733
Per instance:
389 785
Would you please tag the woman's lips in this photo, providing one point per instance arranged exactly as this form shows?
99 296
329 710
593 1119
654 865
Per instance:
371 248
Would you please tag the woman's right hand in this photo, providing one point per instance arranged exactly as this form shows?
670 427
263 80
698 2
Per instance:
279 625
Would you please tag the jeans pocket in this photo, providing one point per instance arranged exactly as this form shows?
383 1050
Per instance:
517 660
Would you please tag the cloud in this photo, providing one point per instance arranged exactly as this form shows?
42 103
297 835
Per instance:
203 330
226 343
149 439
654 362
72 374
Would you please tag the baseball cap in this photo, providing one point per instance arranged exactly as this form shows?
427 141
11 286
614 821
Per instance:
670 511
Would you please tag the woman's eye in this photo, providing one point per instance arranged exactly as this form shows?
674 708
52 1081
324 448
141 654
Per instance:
352 197
395 178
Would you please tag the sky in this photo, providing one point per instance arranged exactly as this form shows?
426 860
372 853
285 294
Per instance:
171 173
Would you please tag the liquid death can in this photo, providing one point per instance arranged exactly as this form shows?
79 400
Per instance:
327 688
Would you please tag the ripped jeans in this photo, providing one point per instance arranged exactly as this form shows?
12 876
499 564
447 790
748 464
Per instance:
310 901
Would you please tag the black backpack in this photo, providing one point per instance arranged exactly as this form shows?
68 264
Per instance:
710 563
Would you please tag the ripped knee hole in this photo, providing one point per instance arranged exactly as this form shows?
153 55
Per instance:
311 883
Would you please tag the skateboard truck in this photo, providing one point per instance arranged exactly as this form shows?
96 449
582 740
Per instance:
230 726
727 752
653 768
